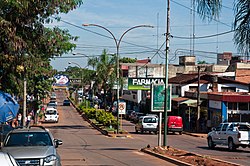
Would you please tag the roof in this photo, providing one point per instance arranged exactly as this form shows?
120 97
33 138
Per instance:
204 78
184 78
31 128
180 99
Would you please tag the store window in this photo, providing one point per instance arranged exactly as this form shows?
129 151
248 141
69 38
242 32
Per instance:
243 106
232 105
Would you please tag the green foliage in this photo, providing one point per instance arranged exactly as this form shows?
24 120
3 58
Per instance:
27 45
210 9
101 116
202 62
127 60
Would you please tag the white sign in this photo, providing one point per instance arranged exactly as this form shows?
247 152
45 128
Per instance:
122 108
215 104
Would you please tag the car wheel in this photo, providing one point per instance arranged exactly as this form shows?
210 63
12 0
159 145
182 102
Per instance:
136 131
155 132
180 132
210 143
142 131
231 145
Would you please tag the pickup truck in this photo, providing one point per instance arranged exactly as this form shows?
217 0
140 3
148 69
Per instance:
231 134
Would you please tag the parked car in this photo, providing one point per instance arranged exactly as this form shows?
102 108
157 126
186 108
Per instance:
66 103
175 124
231 134
147 123
4 130
51 115
7 159
135 116
34 145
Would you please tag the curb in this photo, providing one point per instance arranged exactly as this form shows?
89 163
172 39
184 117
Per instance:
181 163
169 159
119 135
194 135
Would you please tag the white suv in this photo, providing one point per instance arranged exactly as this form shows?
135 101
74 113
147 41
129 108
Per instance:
51 115
231 134
147 123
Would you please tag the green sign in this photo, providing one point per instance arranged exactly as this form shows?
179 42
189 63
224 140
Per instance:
143 83
158 98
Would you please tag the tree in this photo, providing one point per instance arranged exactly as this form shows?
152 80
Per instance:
105 73
26 45
202 62
241 23
127 60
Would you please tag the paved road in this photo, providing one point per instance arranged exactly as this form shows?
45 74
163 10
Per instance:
83 145
86 146
193 144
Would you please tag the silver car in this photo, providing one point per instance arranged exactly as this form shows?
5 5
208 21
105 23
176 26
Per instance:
33 146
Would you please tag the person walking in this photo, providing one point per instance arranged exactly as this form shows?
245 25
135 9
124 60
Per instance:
28 120
19 119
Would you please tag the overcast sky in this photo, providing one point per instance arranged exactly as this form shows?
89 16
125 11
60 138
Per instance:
120 15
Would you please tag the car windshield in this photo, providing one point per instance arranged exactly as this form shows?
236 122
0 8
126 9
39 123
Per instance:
149 120
28 139
51 104
51 112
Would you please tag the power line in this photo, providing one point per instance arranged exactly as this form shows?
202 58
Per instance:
202 37
199 13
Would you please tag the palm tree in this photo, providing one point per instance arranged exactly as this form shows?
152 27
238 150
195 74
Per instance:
105 73
241 23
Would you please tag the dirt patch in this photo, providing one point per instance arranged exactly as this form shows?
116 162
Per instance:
187 157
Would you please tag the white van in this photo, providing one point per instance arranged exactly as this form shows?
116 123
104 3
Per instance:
147 123
51 115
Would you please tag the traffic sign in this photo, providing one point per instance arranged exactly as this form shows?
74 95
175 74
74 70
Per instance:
122 108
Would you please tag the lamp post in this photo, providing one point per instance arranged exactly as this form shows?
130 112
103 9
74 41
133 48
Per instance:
117 43
81 75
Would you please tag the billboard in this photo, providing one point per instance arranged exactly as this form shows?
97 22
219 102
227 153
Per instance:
158 98
143 83
61 80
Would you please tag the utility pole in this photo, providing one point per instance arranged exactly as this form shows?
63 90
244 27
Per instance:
198 102
24 100
166 74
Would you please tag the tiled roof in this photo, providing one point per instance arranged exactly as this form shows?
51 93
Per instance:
204 78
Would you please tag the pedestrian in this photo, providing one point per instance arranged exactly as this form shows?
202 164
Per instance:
237 126
28 119
14 123
19 119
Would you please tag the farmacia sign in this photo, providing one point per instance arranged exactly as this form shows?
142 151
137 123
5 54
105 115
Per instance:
143 83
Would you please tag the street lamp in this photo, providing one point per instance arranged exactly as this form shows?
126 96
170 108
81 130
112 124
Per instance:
117 43
81 75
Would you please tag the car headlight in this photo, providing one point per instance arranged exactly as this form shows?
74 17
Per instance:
50 158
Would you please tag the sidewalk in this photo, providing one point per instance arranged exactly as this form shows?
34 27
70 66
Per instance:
201 135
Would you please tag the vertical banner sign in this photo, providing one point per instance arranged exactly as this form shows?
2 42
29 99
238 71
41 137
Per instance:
122 108
158 97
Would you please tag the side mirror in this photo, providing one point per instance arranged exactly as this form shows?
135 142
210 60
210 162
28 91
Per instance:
58 142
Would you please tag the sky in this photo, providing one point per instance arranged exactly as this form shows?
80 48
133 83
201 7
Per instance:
145 42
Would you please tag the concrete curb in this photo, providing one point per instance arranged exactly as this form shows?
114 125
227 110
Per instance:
193 134
166 158
181 163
